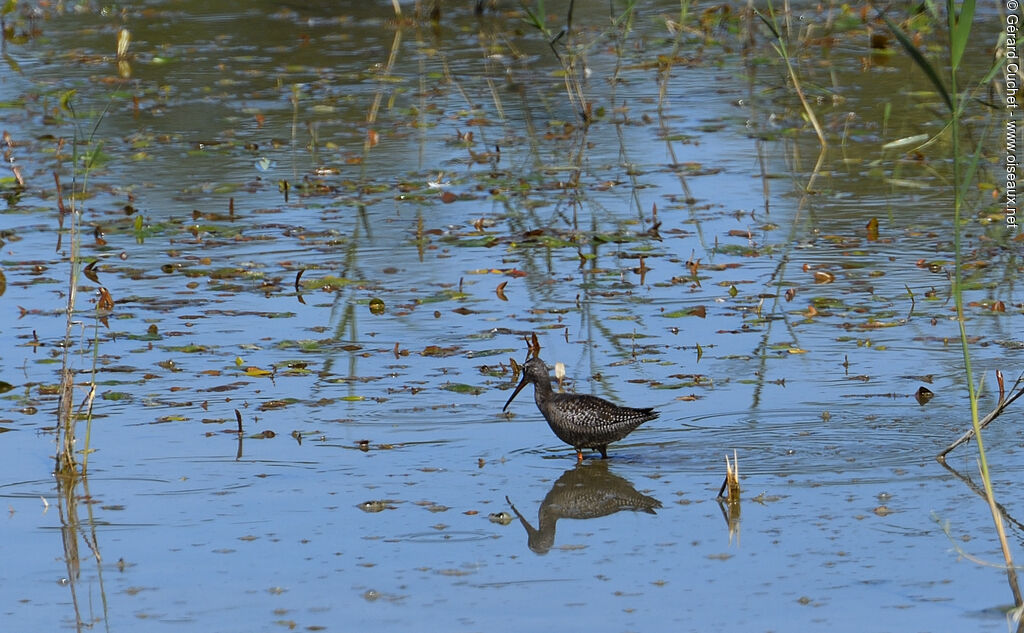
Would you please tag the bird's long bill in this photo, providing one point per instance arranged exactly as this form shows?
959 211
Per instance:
522 383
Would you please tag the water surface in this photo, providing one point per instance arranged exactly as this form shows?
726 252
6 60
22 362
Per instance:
650 252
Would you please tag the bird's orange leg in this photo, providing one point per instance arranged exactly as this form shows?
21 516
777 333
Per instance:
579 455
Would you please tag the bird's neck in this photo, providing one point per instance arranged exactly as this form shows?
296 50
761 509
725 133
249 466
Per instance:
542 389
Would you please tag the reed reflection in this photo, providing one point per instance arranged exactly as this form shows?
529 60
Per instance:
72 488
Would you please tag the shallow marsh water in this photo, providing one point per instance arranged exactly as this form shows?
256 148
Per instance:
370 507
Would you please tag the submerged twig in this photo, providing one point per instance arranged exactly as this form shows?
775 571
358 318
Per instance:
238 416
1016 392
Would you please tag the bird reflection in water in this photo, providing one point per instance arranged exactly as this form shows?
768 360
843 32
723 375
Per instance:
583 492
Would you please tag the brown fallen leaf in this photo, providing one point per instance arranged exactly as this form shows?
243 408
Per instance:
90 272
435 350
106 302
873 230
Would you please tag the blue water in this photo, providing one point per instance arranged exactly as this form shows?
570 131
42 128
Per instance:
181 525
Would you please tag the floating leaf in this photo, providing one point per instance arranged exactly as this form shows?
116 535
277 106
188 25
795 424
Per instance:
825 303
277 404
917 139
699 311
256 372
329 282
444 295
434 350
923 395
186 349
164 419
376 306
473 242
228 387
500 291
116 395
459 387
822 277
5 386
550 241
376 505
90 272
